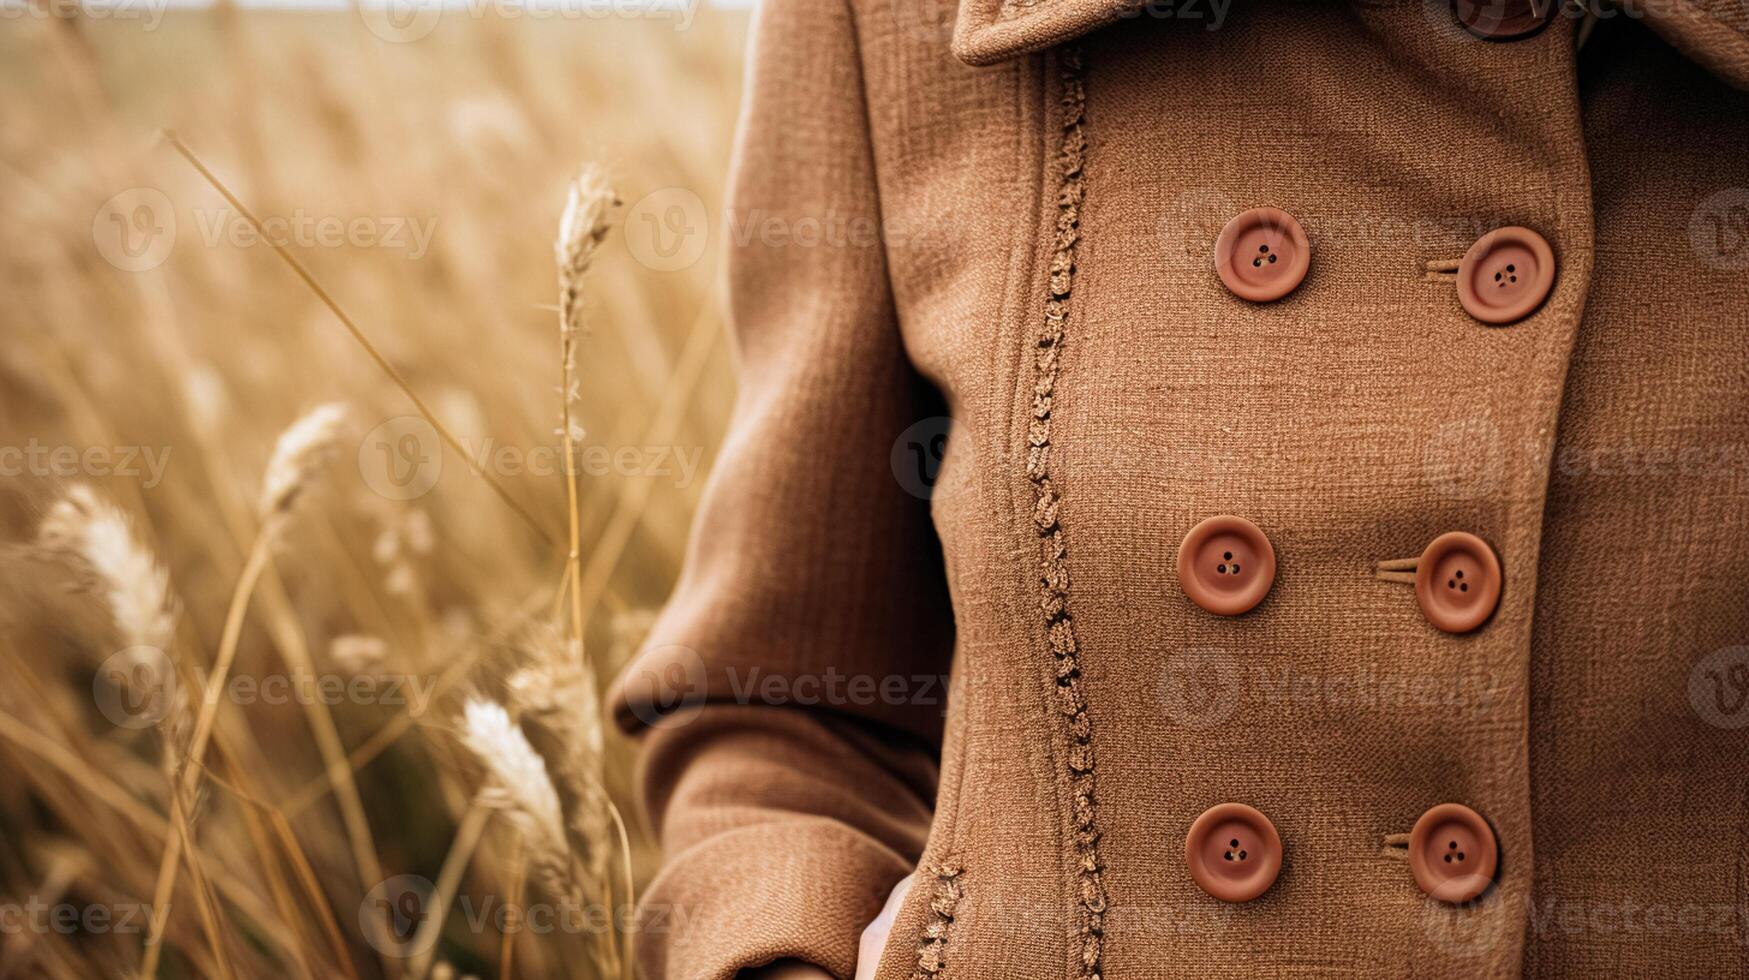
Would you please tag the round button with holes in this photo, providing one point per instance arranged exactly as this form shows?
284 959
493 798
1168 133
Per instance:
1504 20
1506 275
1233 852
1226 565
1453 853
1262 254
1457 582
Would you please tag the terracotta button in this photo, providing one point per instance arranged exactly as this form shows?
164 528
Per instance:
1233 852
1453 853
1226 565
1504 20
1457 582
1506 275
1262 254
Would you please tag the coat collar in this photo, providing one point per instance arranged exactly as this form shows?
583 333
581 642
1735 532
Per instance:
1714 33
990 31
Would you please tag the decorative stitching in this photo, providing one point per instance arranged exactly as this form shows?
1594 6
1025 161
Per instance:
932 944
1053 551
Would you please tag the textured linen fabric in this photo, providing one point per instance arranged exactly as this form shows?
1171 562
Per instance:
1042 272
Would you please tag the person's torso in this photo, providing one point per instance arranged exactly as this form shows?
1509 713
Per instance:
1111 393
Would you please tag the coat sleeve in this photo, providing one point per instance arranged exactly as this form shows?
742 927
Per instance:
791 696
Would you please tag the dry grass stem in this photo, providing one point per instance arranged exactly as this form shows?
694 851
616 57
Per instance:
583 225
358 334
298 455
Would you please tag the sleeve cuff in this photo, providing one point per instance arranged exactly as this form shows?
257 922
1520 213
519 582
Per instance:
800 888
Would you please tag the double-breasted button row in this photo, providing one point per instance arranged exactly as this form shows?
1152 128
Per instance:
1263 254
1226 565
1234 853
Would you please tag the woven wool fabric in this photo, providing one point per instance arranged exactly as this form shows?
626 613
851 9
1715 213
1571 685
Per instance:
1048 181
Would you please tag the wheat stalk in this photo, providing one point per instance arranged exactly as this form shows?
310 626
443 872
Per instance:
523 788
298 455
521 785
559 691
98 538
306 447
556 697
303 448
582 227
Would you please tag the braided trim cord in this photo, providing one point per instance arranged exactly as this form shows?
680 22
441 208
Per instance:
1060 638
932 945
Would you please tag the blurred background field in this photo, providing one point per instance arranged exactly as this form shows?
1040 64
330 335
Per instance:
183 364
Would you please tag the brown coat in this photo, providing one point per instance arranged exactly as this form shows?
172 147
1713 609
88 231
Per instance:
1029 247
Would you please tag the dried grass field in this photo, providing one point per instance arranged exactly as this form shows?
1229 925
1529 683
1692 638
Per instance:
291 586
